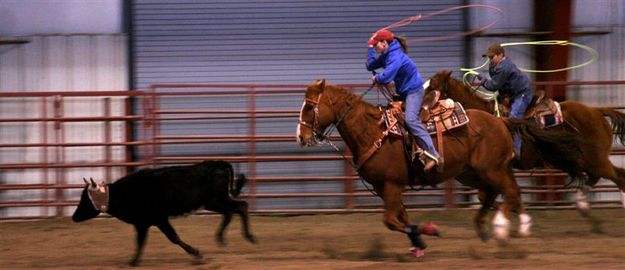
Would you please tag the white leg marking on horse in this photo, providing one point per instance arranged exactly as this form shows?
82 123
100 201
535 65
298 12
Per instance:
581 200
525 225
501 226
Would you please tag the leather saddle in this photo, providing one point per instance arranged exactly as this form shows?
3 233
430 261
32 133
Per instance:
545 111
444 116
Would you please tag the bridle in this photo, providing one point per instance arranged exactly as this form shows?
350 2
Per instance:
318 136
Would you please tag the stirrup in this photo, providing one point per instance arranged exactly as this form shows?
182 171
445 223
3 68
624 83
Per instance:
429 165
429 161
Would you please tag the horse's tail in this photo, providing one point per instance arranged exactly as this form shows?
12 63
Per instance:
618 122
559 148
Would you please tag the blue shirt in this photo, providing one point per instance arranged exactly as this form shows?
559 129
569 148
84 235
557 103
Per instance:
508 79
398 67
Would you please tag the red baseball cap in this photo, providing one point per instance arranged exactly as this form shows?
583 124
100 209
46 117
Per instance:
381 35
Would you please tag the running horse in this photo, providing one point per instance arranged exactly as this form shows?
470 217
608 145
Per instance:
588 124
478 154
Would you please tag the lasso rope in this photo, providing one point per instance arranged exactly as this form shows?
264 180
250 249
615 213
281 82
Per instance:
415 18
493 95
593 53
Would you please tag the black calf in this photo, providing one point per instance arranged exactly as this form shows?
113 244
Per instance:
150 196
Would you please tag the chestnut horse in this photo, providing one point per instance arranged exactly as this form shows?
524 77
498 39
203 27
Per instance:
478 154
588 124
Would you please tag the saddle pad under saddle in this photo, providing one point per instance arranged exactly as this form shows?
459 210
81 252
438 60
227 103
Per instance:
550 117
391 121
450 118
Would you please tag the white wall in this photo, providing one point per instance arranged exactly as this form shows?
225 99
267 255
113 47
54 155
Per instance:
73 45
34 17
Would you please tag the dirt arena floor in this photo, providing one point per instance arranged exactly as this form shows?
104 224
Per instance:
560 240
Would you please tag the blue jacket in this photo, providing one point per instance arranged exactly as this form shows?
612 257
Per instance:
398 67
508 79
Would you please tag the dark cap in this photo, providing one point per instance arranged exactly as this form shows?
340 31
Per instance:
381 35
494 50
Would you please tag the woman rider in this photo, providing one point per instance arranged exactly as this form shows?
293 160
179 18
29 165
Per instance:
399 68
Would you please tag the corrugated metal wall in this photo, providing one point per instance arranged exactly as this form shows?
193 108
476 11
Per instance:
60 63
279 41
517 18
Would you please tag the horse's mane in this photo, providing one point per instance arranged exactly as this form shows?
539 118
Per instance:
459 91
359 109
349 97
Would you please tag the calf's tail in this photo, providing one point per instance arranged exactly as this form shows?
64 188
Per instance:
234 185
238 185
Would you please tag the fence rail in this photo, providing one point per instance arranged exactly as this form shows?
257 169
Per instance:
141 123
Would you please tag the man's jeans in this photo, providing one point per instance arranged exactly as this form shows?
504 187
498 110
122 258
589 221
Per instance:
519 106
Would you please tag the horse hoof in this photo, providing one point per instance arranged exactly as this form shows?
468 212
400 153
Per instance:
416 252
251 239
484 236
430 229
195 253
502 242
134 263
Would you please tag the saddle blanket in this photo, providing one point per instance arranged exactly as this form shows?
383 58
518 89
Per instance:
450 115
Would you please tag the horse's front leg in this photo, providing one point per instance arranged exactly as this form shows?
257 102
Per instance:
395 218
487 198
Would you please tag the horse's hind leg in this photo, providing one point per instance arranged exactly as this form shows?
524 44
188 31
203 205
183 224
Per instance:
603 168
581 197
393 216
620 172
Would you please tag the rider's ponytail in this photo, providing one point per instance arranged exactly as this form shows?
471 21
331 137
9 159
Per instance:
404 44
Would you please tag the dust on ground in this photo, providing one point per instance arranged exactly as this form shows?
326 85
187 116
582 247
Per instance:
561 239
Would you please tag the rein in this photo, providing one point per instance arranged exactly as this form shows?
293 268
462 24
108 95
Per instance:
488 96
323 138
484 95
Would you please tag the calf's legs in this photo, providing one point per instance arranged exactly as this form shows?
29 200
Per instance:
227 207
142 232
171 234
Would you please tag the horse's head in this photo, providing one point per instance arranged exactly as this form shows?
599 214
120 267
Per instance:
315 116
439 83
435 89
